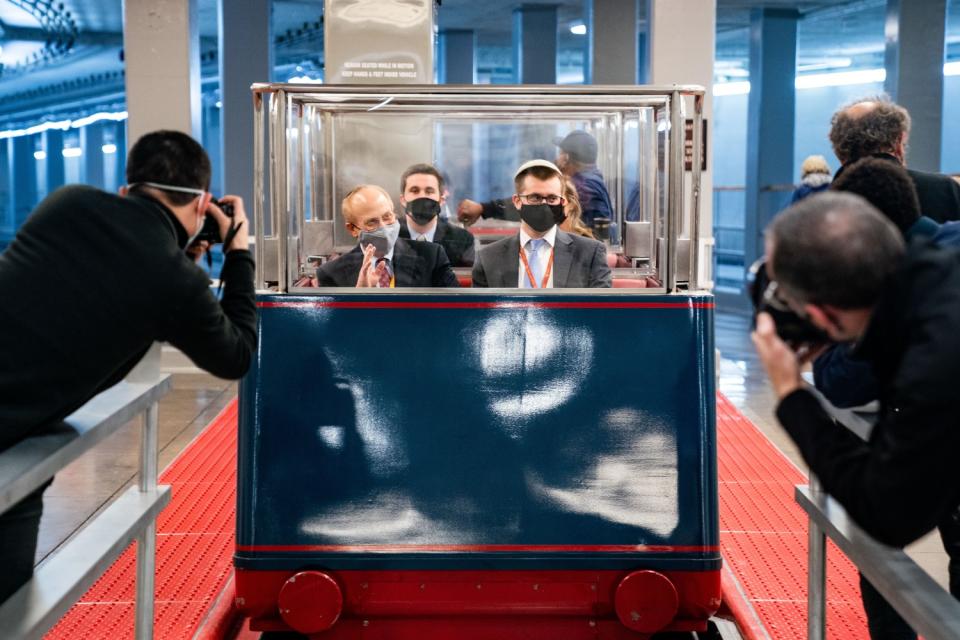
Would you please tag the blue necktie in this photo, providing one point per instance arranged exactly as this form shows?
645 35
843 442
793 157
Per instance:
533 246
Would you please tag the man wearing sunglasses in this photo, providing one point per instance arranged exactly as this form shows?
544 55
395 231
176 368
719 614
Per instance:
541 256
841 264
92 280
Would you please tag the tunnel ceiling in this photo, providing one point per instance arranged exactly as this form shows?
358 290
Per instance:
70 51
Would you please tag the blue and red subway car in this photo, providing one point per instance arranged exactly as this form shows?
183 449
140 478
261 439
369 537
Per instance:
479 465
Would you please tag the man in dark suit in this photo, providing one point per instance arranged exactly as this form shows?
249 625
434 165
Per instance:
422 196
880 128
541 256
381 258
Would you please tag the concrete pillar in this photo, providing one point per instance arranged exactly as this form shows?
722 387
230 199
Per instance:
120 139
91 141
535 44
7 230
612 42
643 63
23 177
161 45
770 120
680 43
246 56
52 146
458 56
914 56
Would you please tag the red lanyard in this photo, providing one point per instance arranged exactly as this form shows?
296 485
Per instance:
546 276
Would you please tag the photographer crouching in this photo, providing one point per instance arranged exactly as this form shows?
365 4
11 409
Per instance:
92 279
836 262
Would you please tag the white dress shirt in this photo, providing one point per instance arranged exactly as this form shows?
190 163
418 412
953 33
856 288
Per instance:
427 235
543 257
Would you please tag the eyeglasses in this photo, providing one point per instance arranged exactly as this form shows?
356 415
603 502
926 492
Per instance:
167 187
372 224
775 299
536 198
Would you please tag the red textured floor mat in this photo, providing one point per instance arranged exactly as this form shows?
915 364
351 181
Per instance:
195 540
763 538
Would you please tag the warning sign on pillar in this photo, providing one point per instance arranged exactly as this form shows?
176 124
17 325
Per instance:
688 145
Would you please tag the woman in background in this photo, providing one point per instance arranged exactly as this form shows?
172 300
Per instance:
573 223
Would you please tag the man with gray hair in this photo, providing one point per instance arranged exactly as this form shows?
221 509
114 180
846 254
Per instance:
838 262
877 127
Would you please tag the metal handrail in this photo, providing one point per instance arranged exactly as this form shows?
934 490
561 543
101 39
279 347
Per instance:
924 604
70 571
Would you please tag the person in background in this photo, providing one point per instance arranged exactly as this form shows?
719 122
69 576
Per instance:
814 178
422 192
577 160
877 127
573 222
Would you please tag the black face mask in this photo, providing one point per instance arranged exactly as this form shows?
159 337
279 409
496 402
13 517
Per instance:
423 210
540 217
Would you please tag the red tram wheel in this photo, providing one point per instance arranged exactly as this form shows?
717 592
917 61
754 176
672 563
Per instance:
646 601
310 602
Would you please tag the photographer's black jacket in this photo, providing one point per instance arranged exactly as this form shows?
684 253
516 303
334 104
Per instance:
90 281
900 484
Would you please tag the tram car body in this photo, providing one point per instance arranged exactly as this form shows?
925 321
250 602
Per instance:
468 463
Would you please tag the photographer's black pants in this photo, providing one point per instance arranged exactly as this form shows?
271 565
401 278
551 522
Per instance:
18 542
884 622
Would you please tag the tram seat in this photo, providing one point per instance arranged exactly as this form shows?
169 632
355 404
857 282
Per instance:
630 283
465 281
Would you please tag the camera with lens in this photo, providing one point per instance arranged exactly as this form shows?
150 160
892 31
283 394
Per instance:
793 329
210 232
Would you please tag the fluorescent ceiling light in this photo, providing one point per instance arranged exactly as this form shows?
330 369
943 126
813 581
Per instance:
40 155
72 152
951 69
815 80
303 80
63 125
866 76
738 88
108 148
578 29
827 63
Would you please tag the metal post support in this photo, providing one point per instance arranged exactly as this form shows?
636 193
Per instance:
147 539
675 187
693 283
816 575
259 224
146 567
279 187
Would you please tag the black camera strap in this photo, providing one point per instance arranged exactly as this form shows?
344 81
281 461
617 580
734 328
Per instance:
231 234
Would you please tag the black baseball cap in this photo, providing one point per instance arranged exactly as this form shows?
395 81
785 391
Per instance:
580 146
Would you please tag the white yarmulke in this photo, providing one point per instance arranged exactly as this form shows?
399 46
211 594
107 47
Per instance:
535 163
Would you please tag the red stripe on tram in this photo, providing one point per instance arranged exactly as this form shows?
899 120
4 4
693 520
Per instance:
340 304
